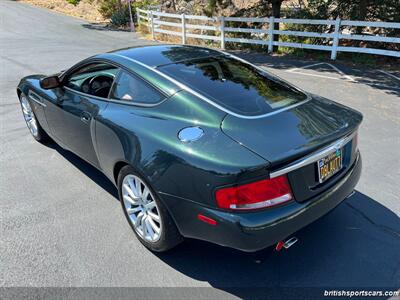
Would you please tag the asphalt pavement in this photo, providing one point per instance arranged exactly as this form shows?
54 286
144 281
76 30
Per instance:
62 225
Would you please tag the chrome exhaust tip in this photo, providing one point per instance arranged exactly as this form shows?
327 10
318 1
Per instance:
290 242
286 244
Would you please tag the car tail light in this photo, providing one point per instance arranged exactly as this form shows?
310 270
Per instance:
259 194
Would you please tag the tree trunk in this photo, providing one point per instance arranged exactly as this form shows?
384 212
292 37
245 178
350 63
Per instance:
362 11
362 15
276 13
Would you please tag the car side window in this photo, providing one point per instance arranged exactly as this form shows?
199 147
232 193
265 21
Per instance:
94 79
133 89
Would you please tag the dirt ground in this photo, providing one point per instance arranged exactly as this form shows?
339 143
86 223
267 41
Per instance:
86 9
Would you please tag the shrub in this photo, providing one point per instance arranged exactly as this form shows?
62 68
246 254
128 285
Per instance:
120 17
109 7
117 10
74 2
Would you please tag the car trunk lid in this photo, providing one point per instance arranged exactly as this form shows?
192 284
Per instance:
286 137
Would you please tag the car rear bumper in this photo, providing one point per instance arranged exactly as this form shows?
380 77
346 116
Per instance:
252 231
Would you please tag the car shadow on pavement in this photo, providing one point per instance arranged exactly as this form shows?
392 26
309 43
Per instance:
94 174
356 245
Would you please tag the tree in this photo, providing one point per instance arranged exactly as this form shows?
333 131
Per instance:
276 8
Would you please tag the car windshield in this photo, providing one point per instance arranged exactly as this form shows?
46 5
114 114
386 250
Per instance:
237 86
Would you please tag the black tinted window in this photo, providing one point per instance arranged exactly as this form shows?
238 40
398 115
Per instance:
133 89
235 85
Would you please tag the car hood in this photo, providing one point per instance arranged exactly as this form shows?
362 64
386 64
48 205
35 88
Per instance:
295 132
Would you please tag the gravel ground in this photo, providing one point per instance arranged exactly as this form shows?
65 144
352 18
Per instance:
85 9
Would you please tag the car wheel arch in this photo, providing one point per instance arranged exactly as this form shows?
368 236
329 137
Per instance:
119 165
19 92
117 168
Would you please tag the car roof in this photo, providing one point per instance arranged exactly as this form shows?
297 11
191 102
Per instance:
157 55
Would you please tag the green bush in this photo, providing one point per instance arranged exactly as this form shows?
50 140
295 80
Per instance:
120 17
118 11
109 7
74 2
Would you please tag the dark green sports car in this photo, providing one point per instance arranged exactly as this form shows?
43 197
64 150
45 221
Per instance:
200 143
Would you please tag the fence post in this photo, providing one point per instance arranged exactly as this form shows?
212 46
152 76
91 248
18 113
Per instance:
183 29
222 29
335 39
152 25
138 17
271 34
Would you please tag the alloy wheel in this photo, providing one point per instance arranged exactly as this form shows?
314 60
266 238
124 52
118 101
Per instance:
29 116
141 208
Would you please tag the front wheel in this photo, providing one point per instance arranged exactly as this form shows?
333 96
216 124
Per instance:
30 119
148 217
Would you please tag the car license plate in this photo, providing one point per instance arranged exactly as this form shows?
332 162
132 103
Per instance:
329 165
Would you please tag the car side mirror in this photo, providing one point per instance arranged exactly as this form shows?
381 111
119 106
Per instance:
50 82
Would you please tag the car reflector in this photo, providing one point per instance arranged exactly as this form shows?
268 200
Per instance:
206 219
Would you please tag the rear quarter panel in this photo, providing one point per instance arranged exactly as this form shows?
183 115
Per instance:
147 138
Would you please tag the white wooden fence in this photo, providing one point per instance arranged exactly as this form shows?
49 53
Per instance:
183 25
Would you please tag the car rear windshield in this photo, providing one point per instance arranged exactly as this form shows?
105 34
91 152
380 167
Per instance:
235 85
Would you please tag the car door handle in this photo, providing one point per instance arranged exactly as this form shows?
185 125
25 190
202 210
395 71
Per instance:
85 117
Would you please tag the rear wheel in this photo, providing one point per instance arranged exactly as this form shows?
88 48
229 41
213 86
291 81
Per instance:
147 215
30 118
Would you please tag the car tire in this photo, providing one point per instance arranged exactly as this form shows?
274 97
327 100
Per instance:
168 236
31 121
